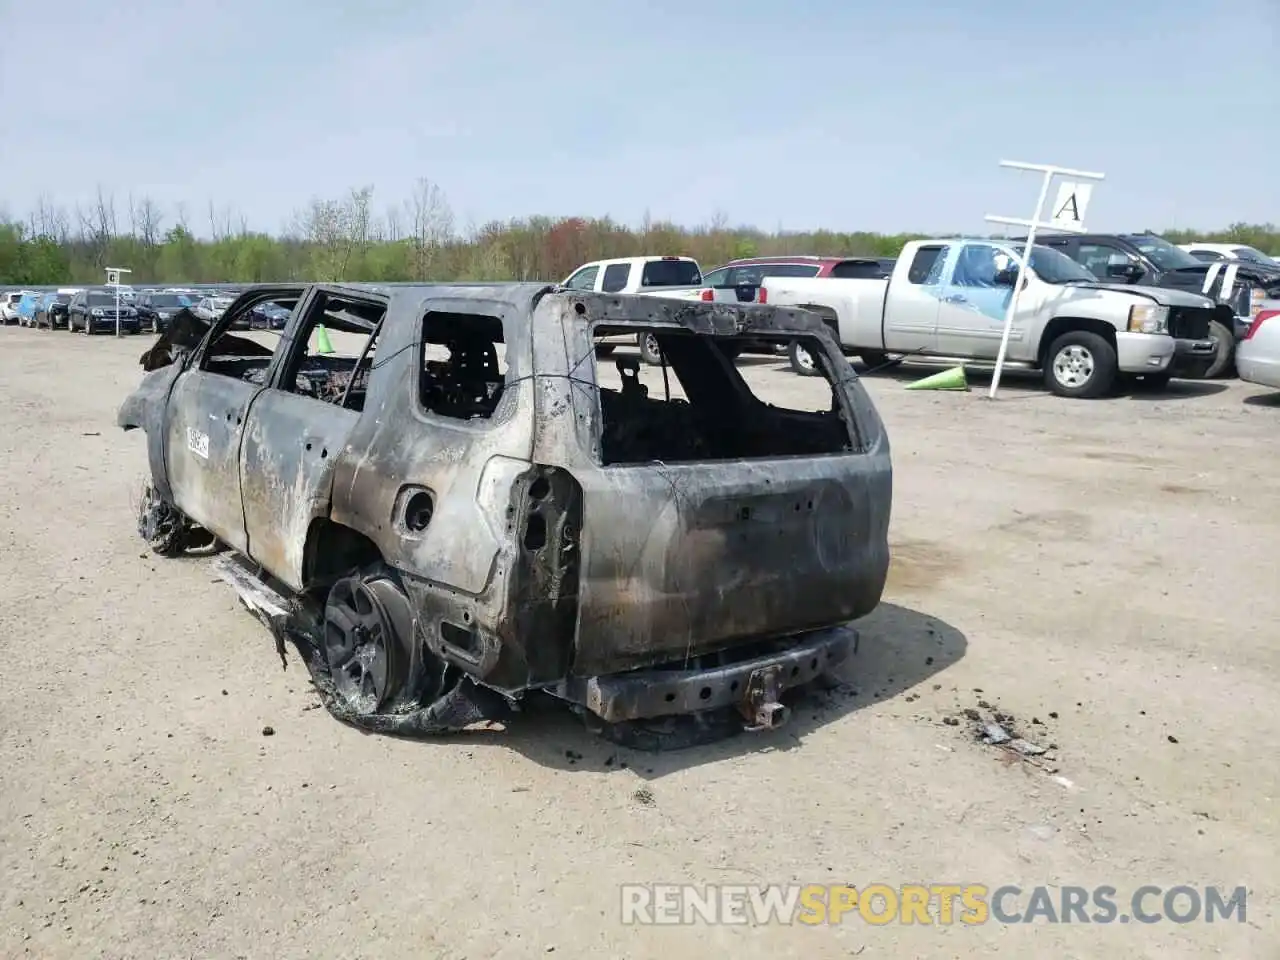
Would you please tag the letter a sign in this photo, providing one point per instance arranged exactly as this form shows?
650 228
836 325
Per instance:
1070 207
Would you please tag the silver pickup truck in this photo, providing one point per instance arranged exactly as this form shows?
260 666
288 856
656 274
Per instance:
949 298
446 490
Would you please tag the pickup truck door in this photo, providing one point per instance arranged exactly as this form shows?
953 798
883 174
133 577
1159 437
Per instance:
912 301
204 426
293 438
971 319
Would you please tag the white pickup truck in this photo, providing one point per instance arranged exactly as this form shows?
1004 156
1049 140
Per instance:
676 277
948 298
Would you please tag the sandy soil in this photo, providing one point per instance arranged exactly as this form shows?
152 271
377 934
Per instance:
1101 567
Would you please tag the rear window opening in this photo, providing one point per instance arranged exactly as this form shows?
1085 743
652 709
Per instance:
698 407
463 373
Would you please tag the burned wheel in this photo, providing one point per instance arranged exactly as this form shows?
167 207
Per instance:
368 627
161 524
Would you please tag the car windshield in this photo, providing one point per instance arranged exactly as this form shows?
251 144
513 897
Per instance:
1163 253
102 299
1054 267
670 273
62 298
1251 253
169 300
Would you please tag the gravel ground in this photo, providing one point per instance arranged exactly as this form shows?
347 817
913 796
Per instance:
1097 570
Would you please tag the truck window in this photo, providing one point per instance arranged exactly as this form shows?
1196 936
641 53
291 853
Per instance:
1208 256
1095 257
926 265
976 266
670 273
616 276
858 270
463 373
584 279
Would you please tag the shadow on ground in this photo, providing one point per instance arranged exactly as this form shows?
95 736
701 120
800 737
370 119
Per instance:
1178 390
898 649
1271 400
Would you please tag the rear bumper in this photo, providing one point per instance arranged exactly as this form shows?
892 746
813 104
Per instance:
646 694
1262 370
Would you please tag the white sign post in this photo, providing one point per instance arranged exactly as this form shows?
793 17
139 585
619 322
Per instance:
113 280
1067 215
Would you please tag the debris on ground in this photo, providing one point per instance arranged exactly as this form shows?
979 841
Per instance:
995 728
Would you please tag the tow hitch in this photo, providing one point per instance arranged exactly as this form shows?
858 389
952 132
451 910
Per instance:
760 705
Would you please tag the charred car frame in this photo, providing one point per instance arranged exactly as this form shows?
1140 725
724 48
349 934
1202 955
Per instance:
464 506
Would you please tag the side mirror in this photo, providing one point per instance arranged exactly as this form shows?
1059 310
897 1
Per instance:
1006 277
1124 271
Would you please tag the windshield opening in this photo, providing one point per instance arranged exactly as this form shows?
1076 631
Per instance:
1163 253
670 273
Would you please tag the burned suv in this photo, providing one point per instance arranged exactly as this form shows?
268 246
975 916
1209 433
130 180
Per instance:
448 500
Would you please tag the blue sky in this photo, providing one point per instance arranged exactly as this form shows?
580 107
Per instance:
847 115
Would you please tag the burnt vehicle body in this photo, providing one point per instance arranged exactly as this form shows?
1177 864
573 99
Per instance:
466 499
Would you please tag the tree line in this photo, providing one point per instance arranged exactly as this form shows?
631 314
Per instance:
351 238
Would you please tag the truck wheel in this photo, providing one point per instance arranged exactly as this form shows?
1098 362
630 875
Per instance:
1225 352
1081 365
650 352
802 361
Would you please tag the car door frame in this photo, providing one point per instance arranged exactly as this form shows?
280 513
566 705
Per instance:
291 447
205 413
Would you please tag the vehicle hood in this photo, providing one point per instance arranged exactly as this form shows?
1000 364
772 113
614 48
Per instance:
1165 296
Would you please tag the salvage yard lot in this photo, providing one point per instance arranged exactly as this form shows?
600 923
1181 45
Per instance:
1107 568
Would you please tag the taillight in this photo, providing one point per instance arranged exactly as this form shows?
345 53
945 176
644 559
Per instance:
707 295
1258 296
1262 317
762 296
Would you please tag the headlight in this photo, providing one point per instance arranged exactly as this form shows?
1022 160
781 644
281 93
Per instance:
1148 318
162 314
97 312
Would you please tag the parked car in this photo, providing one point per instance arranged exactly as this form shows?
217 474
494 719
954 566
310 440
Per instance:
1258 355
268 315
1211 252
211 308
506 521
1150 260
155 308
53 313
743 278
9 305
665 276
94 310
949 298
26 307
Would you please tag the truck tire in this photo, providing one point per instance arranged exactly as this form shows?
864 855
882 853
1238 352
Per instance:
1224 355
873 358
1081 365
650 352
802 361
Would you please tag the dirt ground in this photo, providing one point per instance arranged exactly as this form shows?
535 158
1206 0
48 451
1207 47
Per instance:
1099 567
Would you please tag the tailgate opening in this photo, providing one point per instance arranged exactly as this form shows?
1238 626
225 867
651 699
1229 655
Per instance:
697 406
